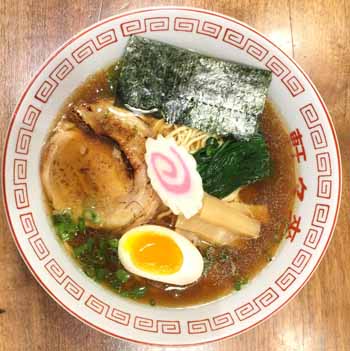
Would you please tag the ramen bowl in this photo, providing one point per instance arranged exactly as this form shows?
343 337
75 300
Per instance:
318 179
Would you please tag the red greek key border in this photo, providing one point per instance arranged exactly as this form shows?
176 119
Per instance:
220 321
231 37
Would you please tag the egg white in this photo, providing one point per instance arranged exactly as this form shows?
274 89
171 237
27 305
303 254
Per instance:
192 264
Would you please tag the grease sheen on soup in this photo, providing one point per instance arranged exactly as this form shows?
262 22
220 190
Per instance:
227 268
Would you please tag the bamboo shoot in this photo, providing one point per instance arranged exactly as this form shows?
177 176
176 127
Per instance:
219 213
205 231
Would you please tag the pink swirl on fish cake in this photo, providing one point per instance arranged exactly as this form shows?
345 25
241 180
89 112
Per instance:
172 172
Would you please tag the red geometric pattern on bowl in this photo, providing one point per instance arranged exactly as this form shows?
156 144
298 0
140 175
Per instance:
21 196
247 310
39 247
81 52
194 25
221 321
28 224
287 278
215 323
198 326
150 24
157 24
46 89
232 37
133 27
62 70
111 313
72 288
23 141
266 298
277 67
256 50
315 232
19 171
30 229
104 39
320 215
157 326
49 85
66 66
313 237
259 52
290 275
55 270
293 84
312 121
324 180
63 279
31 116
301 260
319 141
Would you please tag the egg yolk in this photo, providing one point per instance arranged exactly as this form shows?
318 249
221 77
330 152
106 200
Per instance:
155 253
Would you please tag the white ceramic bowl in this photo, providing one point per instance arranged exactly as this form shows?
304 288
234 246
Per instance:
292 93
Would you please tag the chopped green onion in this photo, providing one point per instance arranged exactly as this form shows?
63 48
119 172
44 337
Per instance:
101 274
122 275
90 244
81 225
116 284
134 293
138 292
224 255
239 283
87 247
78 251
113 243
89 271
92 216
103 244
64 225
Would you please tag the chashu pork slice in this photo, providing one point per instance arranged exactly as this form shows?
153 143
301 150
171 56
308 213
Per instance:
95 159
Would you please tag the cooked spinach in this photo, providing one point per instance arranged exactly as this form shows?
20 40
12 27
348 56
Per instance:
228 166
219 97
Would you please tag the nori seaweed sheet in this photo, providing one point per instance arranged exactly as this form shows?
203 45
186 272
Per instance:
220 97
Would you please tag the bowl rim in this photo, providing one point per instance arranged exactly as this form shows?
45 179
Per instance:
53 56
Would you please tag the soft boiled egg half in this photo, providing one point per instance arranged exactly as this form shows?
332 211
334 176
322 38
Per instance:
160 254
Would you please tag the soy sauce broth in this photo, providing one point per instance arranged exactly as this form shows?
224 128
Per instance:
227 268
